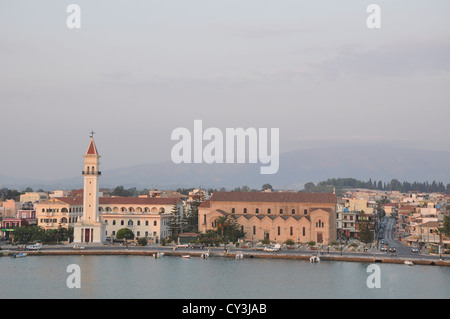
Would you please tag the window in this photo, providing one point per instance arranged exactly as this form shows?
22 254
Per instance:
304 231
305 212
254 230
155 223
268 211
146 223
130 222
291 231
204 218
121 222
245 210
257 211
114 221
281 211
232 210
293 211
279 230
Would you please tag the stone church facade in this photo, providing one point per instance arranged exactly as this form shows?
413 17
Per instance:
278 216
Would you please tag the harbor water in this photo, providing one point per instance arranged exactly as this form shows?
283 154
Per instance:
195 278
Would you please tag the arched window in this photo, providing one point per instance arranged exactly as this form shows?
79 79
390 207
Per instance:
130 222
293 211
121 222
64 210
268 211
233 210
245 210
305 212
257 211
281 211
87 170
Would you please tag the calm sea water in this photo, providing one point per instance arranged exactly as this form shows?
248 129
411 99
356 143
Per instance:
173 277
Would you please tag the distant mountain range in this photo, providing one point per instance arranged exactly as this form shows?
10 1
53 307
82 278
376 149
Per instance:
295 169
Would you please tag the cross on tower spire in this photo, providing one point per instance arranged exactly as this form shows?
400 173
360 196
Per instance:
92 134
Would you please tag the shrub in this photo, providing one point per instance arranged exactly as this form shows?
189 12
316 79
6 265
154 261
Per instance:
290 242
142 241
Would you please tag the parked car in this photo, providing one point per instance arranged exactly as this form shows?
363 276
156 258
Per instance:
259 247
392 250
414 249
200 246
182 246
33 247
383 248
273 248
78 246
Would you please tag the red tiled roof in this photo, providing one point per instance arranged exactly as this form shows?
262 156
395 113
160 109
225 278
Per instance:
206 203
274 197
92 149
139 200
122 200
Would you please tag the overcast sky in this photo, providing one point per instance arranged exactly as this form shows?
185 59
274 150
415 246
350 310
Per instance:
136 70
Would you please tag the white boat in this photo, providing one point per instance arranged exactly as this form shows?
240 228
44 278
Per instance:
408 263
33 247
239 255
158 255
78 247
19 255
204 256
186 256
314 259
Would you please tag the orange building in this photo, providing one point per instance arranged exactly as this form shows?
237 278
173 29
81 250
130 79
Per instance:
277 216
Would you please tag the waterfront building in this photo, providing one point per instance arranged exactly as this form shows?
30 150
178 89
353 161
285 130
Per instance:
33 197
146 217
276 216
22 218
9 208
94 218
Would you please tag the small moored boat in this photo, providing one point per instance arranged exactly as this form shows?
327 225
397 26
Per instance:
408 263
19 255
205 255
239 255
314 259
186 256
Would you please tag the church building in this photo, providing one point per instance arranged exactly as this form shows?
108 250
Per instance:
276 216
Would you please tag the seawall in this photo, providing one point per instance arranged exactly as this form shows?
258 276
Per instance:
277 255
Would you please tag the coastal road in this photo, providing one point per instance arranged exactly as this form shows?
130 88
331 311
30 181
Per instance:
390 237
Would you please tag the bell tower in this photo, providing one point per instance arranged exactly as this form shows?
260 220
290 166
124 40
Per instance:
90 228
91 175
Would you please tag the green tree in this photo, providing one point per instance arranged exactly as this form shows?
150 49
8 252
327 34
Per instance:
365 233
125 233
174 223
192 215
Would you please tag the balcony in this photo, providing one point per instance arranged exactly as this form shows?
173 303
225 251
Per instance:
91 173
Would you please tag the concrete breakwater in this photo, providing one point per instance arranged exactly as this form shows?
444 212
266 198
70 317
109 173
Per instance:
271 255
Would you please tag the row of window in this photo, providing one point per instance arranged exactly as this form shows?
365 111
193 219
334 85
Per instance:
269 211
138 233
131 222
107 209
63 210
319 224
